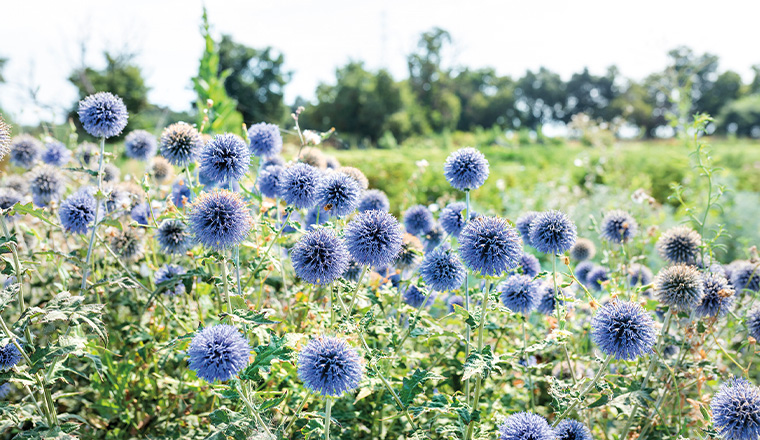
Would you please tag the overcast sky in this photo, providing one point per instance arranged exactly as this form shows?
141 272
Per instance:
43 39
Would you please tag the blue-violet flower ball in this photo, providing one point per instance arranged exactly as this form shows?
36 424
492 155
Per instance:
218 353
442 271
679 245
753 322
374 238
225 158
77 212
596 278
56 154
489 246
452 218
415 297
180 143
519 294
266 140
103 115
523 225
530 265
736 410
299 185
168 273
582 250
219 219
173 237
466 169
46 185
639 275
582 270
141 214
679 286
140 145
569 429
374 200
25 151
746 276
418 220
623 330
719 296
338 194
269 180
329 366
181 194
526 426
618 226
319 257
9 356
552 232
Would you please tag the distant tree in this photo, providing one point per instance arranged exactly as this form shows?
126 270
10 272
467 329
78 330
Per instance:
726 89
754 86
742 117
486 99
592 95
540 98
3 61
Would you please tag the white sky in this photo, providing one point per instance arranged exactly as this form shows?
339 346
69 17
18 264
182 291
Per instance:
42 38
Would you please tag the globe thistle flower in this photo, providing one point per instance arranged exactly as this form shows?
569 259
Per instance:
552 232
753 322
736 410
103 115
639 275
315 217
530 265
679 245
25 151
680 286
411 252
523 225
547 303
173 237
160 169
8 199
373 238
452 218
418 220
168 273
582 250
623 329
16 183
127 243
353 270
433 237
338 194
272 160
569 429
415 297
524 426
180 143
86 152
374 200
56 154
596 277
77 212
319 257
329 366
265 139
299 185
225 158
219 219
332 163
719 296
313 157
268 180
111 173
442 271
618 226
181 194
582 270
455 300
117 200
46 185
218 353
489 246
6 388
9 356
746 276
141 214
5 138
355 174
466 169
518 293
140 145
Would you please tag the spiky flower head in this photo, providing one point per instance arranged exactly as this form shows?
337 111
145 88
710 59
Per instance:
582 270
46 184
265 139
319 257
519 294
299 184
452 218
411 252
160 169
547 302
526 426
583 250
313 157
140 145
86 152
218 352
433 237
225 158
552 232
719 296
753 322
219 219
180 143
9 356
111 173
746 276
353 270
169 274
442 271
415 297
623 329
56 154
272 160
268 180
141 214
529 265
181 194
25 151
618 226
16 183
5 390
736 410
5 138
569 429
466 169
523 225
329 366
373 238
679 286
173 237
639 275
355 174
679 245
103 115
374 200
77 212
127 243
338 194
418 220
596 277
489 246
455 300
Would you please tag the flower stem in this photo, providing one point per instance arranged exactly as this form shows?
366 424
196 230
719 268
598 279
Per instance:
414 321
466 300
356 290
585 391
527 364
296 414
19 279
479 380
328 410
86 267
225 286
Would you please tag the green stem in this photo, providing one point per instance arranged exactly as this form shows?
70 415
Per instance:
17 268
296 414
479 380
585 391
414 321
328 410
244 396
467 336
226 287
86 267
356 291
570 365
527 364
266 252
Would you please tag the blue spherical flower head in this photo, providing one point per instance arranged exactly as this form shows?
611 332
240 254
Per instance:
140 145
218 353
103 115
8 198
268 180
569 429
374 200
489 246
596 278
170 273
410 254
618 227
466 169
719 296
523 225
319 257
141 214
266 140
173 237
455 300
519 294
299 185
56 154
582 250
353 270
582 270
552 232
679 286
433 237
9 356
225 158
452 218
374 238
529 265
415 297
418 220
219 219
338 194
181 194
524 426
753 322
746 276
623 329
329 366
639 275
77 212
679 245
46 184
25 151
180 143
736 410
5 390
547 302
127 243
442 271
